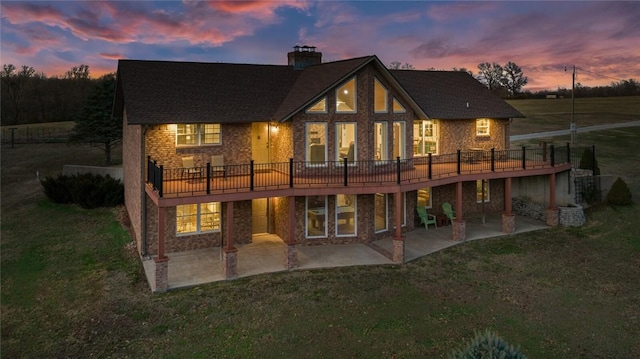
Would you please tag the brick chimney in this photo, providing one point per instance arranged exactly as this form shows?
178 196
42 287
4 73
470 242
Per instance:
303 56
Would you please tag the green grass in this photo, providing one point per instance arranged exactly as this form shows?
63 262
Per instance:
73 286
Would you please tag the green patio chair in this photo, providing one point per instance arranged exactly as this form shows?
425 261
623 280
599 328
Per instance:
448 211
426 218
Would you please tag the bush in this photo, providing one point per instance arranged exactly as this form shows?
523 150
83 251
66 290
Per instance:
87 190
487 345
619 194
589 162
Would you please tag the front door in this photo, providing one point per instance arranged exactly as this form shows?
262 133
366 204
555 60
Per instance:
260 142
259 216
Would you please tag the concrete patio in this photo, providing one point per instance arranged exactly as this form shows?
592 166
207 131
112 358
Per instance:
265 254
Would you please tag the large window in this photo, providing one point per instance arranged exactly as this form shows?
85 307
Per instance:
316 142
424 197
482 127
482 191
346 214
346 97
198 218
318 107
380 141
346 141
198 134
399 139
316 216
379 97
380 212
425 138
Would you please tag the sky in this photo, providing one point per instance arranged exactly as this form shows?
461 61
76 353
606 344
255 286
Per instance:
600 38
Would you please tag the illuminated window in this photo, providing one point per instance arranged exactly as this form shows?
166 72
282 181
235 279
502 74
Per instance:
482 127
346 97
380 141
316 216
482 191
346 214
198 134
198 218
319 107
424 197
425 139
316 136
398 139
380 212
346 142
397 107
379 97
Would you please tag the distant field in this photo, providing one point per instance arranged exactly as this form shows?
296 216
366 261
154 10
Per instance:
555 114
38 132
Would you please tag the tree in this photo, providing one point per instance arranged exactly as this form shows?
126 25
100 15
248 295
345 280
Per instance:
491 75
396 65
14 89
513 79
95 124
78 73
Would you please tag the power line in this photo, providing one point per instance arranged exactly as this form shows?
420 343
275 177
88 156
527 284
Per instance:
598 74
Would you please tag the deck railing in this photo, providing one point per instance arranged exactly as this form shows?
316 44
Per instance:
303 174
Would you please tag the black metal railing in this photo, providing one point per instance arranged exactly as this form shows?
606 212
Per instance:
303 174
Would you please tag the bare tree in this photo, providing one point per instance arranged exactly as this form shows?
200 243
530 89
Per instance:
491 75
78 72
14 87
397 65
513 79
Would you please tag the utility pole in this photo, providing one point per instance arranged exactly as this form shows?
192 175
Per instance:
572 127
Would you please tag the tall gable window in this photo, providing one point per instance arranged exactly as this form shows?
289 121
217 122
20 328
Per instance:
482 127
198 134
316 143
380 97
319 107
346 97
397 107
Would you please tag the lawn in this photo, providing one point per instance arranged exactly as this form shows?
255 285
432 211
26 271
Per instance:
72 286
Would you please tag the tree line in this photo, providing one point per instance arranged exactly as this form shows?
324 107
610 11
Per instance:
28 96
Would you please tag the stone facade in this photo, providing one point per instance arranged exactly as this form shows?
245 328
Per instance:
134 177
572 216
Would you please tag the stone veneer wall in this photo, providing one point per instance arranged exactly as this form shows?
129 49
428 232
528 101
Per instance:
457 135
572 216
524 207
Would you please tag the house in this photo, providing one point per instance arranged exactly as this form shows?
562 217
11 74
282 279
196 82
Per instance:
315 153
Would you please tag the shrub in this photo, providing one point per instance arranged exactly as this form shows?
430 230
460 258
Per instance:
87 190
487 345
589 162
57 189
619 194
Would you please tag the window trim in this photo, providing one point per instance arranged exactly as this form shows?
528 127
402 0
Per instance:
386 96
306 217
483 130
487 193
386 213
355 95
355 216
198 134
307 148
339 160
393 106
384 142
403 138
326 107
199 213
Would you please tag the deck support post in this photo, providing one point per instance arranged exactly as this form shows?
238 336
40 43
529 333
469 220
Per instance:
229 253
398 239
508 218
459 225
290 260
553 213
161 262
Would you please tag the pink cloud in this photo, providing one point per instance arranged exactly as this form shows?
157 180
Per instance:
112 56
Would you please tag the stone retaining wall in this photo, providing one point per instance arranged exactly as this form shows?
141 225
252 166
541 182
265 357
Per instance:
572 216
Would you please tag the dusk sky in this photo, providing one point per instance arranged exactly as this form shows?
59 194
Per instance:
601 38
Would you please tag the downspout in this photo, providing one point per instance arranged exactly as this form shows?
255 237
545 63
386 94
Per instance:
143 195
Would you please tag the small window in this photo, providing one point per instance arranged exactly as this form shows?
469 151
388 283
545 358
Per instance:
198 218
319 107
198 134
424 197
482 191
380 97
346 97
482 127
397 107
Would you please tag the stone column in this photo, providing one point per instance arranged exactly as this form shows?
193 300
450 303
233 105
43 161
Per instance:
398 250
161 274
230 263
290 255
459 229
290 259
508 223
553 217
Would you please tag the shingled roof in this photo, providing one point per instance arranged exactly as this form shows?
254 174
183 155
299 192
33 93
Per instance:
452 95
159 92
